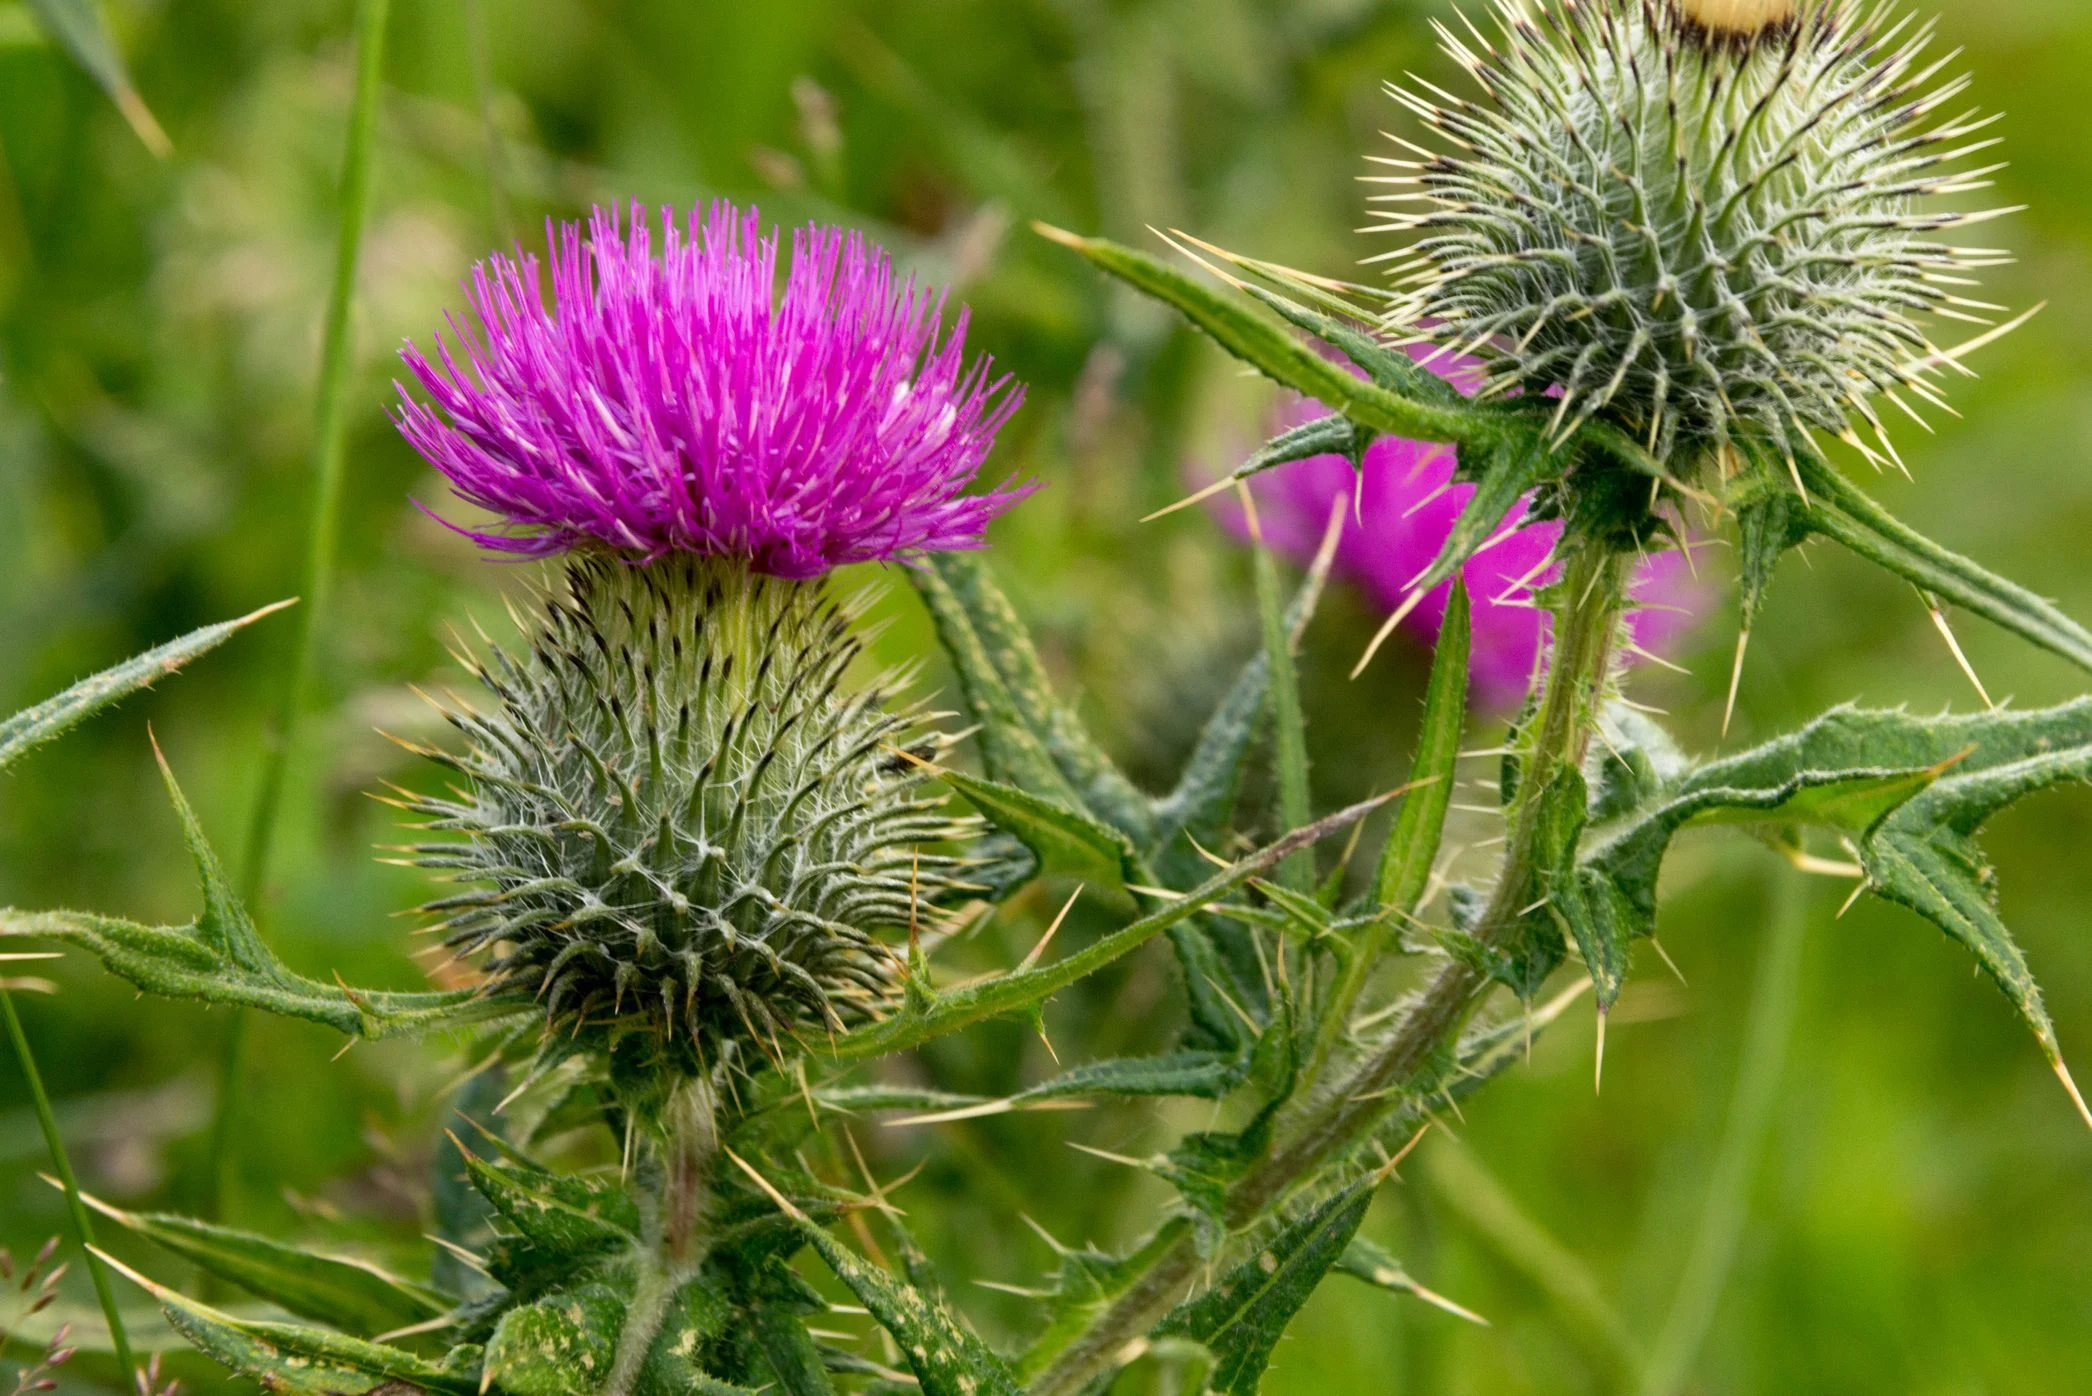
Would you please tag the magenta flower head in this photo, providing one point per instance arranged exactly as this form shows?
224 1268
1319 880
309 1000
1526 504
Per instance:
680 402
1397 514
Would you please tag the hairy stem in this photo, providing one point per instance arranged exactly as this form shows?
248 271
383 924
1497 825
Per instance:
322 544
689 1148
1587 619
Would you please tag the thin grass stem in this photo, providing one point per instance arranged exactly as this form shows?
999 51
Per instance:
83 1225
323 540
1773 1004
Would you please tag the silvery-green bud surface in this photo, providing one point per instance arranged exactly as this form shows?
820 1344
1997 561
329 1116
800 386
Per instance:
1712 222
690 835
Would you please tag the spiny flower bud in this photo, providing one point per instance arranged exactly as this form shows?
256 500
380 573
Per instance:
688 831
1708 243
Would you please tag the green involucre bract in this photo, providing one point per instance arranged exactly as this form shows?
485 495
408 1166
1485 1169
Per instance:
688 829
1708 242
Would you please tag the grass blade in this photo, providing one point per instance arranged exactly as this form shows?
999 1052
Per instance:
77 27
1773 1004
83 1225
322 542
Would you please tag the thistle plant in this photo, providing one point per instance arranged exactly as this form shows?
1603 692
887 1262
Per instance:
704 859
693 830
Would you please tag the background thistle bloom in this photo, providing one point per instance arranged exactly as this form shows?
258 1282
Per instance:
1398 514
687 826
679 402
1701 218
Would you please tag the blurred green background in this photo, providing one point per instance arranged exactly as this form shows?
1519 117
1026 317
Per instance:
1920 1220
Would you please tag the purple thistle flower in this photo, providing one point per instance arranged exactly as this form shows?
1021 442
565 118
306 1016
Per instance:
1404 508
679 403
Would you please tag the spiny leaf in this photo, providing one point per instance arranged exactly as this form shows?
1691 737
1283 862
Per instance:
1242 1318
1909 792
1011 751
1277 352
354 1295
562 1345
220 959
289 1357
563 1214
32 727
1011 993
1085 1283
1412 844
1066 842
946 1356
1206 792
1198 1074
1000 639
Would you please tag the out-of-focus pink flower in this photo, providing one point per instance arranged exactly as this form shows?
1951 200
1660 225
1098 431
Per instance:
1404 509
675 400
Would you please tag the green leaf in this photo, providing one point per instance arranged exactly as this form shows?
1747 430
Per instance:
1924 855
219 958
1010 993
1837 509
563 1214
1205 796
1066 842
1412 844
32 727
1242 1318
1277 352
1011 752
946 1356
562 1345
1201 1075
794 1357
1909 793
78 28
960 586
289 1357
354 1295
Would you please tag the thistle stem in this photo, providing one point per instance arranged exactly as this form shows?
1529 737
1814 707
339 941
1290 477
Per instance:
322 545
689 1142
1586 620
83 1226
